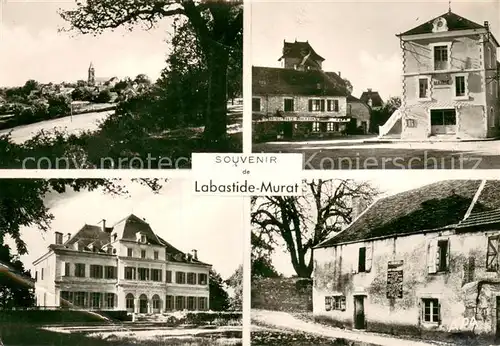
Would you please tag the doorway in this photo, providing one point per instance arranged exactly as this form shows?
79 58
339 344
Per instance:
143 304
497 334
443 121
288 130
359 312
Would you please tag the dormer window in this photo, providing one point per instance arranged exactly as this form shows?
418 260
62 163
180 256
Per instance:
143 238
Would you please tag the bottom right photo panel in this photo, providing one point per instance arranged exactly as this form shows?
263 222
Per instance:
377 262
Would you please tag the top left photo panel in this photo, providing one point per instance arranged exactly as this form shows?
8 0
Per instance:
107 84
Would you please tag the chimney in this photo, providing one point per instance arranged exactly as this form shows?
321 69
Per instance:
370 90
340 74
195 254
486 25
59 238
104 225
68 236
359 204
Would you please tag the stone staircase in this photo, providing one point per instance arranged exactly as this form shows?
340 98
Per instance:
389 124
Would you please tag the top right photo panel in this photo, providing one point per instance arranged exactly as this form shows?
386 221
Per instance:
377 85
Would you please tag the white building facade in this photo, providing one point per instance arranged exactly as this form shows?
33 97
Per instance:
123 267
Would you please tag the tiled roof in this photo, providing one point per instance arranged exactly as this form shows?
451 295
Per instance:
280 81
429 207
374 96
129 227
491 217
299 50
175 255
453 21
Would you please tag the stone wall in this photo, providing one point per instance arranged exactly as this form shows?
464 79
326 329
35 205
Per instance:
282 294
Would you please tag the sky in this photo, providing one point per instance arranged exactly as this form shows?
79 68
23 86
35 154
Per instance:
212 225
32 48
387 185
355 37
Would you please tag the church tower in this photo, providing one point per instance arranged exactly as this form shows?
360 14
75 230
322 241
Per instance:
91 75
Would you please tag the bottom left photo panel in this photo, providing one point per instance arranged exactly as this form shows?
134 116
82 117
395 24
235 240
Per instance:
119 262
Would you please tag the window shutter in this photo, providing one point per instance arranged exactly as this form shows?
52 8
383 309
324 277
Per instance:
368 258
336 104
63 269
322 102
310 105
432 256
448 255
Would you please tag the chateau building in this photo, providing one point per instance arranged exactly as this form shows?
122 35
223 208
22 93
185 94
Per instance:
123 267
300 99
423 262
450 81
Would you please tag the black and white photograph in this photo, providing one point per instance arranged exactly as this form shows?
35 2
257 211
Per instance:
119 84
119 262
378 262
377 85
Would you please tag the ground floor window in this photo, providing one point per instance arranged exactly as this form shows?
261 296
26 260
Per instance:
156 302
191 303
431 310
335 303
129 302
95 298
315 127
202 303
110 300
180 303
443 117
332 127
169 303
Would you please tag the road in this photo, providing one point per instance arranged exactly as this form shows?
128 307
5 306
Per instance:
285 321
72 125
356 154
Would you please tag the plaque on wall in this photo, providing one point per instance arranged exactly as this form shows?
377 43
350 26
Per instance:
395 279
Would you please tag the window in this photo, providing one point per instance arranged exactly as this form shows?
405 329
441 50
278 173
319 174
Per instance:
155 255
191 303
440 57
349 109
143 253
96 271
79 299
156 302
438 253
110 272
143 274
492 254
130 253
191 278
115 236
129 299
430 311
423 88
168 276
143 238
180 277
490 58
156 274
180 303
315 127
316 105
59 238
202 279
95 298
442 260
442 117
64 299
362 260
36 275
256 104
79 270
202 303
67 269
169 303
289 106
332 127
460 87
129 273
332 105
411 123
110 300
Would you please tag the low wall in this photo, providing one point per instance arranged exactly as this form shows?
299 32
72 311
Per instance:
282 294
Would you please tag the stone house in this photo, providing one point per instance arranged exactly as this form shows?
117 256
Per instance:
300 100
123 267
422 262
372 99
450 81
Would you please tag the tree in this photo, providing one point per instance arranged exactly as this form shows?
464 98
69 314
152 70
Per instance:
81 83
22 201
219 299
217 25
104 96
302 222
263 267
235 281
348 85
142 79
59 105
29 86
392 104
81 94
379 117
16 285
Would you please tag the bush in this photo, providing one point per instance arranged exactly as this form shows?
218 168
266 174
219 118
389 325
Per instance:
104 96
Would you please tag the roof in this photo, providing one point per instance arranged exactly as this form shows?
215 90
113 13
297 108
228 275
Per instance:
129 227
351 98
280 81
374 96
454 22
299 50
429 207
491 217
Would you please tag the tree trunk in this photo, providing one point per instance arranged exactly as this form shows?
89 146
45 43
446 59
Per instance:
216 118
